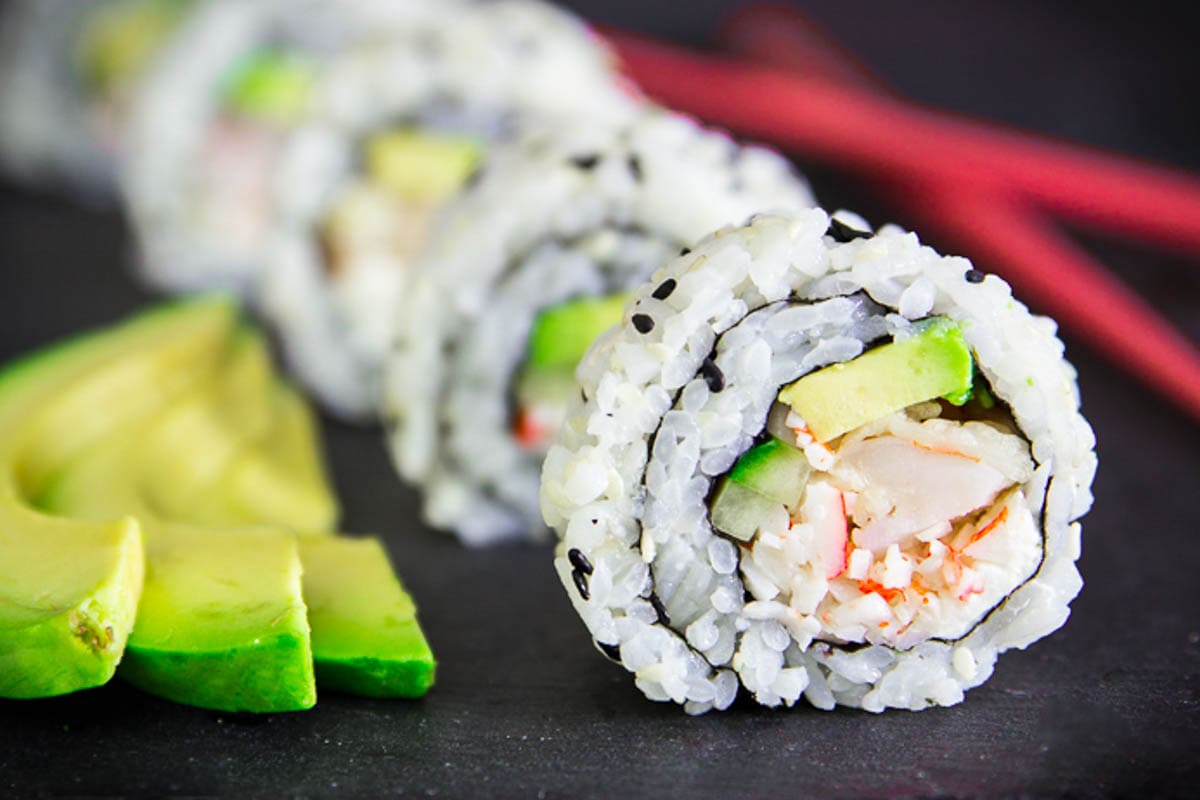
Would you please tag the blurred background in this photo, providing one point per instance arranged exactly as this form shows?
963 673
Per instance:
1105 707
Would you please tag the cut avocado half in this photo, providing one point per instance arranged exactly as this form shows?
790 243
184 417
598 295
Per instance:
421 167
222 622
69 589
934 361
767 476
562 334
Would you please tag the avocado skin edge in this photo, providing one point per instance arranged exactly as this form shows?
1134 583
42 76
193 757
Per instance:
270 678
373 677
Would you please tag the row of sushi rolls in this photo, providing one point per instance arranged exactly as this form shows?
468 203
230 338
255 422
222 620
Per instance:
782 454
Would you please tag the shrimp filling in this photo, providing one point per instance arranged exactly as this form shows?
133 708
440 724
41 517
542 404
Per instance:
907 528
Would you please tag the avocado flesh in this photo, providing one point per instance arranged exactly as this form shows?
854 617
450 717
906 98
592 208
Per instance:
278 481
365 636
119 42
366 639
562 333
222 622
69 589
194 445
271 85
419 167
768 475
933 362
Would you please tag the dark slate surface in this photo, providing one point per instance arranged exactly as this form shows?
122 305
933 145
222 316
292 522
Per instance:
525 707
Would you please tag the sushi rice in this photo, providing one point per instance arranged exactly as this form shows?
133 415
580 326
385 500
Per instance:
200 177
69 74
583 211
673 398
467 80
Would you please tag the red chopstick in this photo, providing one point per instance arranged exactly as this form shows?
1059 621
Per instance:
976 178
997 228
864 130
1042 262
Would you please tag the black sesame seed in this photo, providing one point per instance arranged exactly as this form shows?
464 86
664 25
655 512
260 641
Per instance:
581 584
841 232
586 162
643 323
635 167
712 375
579 561
610 650
660 610
974 276
685 251
664 289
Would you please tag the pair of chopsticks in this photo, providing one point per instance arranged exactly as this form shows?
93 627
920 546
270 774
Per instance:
983 189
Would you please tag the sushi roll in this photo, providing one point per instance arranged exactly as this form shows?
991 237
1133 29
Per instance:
69 73
358 190
206 130
532 263
818 461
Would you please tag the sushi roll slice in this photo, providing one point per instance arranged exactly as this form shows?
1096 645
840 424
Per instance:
820 461
207 129
357 190
69 72
533 262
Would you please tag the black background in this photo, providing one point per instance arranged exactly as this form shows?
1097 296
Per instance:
525 707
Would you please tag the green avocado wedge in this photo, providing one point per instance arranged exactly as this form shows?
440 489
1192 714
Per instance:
279 480
271 85
562 333
366 639
195 445
934 361
69 589
365 636
421 166
222 622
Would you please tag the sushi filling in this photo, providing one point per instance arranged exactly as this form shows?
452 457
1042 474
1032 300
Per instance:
908 527
379 218
544 385
116 46
263 96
